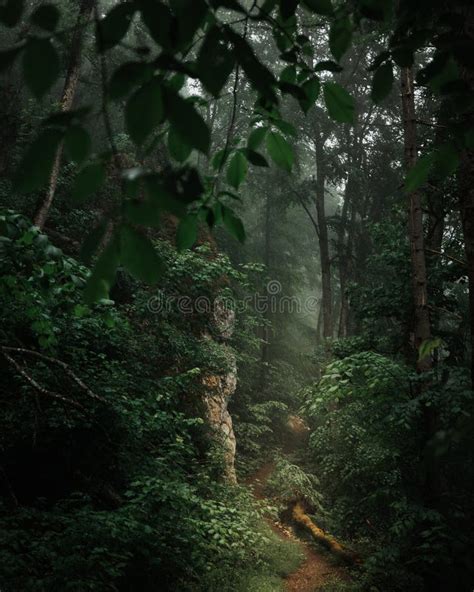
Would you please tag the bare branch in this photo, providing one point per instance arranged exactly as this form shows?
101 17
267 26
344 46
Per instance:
40 389
446 256
307 210
63 365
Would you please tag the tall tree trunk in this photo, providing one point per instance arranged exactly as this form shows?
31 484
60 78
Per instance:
319 325
466 182
323 242
66 103
265 347
421 325
343 265
430 485
346 237
466 203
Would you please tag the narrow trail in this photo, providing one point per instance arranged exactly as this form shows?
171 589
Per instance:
317 569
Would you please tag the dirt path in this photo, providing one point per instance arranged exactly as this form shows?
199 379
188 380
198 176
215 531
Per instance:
316 570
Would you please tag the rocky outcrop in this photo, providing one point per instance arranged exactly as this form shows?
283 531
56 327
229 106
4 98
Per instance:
220 387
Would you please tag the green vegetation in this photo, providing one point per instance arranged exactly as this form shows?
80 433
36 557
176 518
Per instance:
279 558
236 263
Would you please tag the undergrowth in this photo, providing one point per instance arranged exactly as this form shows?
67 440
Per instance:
274 560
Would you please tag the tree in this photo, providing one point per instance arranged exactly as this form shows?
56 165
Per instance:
421 318
66 103
326 303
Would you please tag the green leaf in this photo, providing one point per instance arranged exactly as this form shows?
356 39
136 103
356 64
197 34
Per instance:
126 78
378 10
219 158
138 255
178 149
440 80
340 36
418 175
233 223
311 89
144 111
92 242
280 151
382 82
46 17
159 21
114 26
292 89
41 65
339 103
11 11
403 56
256 137
187 122
447 160
323 7
288 8
427 347
145 213
259 75
255 158
77 144
103 275
328 66
237 170
441 163
187 232
35 168
288 74
215 62
286 127
88 181
190 16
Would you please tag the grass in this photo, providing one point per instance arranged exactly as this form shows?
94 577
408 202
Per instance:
282 556
279 559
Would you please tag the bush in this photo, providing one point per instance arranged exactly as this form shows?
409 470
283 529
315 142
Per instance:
107 477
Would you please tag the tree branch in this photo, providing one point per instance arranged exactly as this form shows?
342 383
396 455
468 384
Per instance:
40 389
63 365
450 257
307 210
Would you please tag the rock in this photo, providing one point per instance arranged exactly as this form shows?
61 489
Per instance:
220 387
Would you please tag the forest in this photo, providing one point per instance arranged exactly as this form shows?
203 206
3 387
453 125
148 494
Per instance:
237 296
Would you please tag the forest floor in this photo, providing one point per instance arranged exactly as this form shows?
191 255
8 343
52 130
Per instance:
317 569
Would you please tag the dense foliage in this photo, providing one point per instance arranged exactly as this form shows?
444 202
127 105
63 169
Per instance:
225 244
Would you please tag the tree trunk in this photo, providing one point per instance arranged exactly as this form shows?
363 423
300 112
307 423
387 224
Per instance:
66 103
421 325
430 482
265 348
345 241
326 304
466 183
466 203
